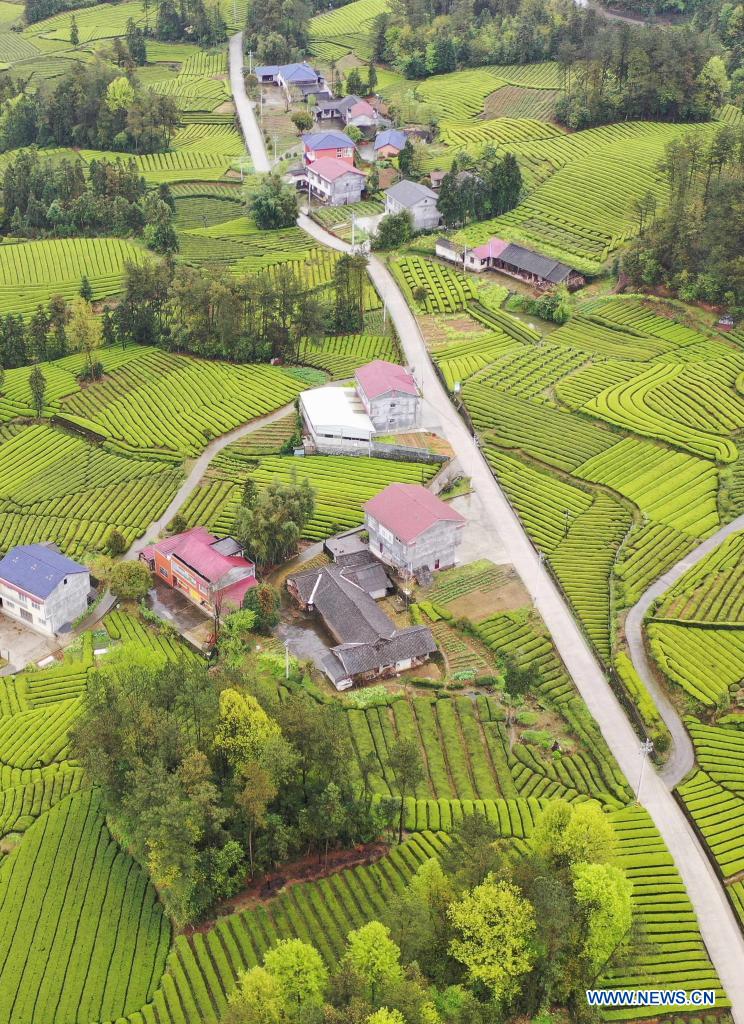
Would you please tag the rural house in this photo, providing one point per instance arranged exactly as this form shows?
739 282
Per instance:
211 572
511 259
368 644
419 200
302 77
389 395
389 143
331 144
335 108
334 181
412 530
42 588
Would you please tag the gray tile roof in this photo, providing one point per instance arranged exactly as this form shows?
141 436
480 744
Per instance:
348 611
408 193
414 642
533 263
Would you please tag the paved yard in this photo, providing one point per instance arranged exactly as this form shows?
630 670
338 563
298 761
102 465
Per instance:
20 646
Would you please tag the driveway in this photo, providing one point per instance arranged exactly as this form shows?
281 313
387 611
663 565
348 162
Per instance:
246 114
21 646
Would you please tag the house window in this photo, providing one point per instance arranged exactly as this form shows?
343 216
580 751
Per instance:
386 534
163 572
36 606
26 616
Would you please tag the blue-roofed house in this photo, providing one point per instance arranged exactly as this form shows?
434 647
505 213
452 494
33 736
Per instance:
334 144
302 77
42 588
389 143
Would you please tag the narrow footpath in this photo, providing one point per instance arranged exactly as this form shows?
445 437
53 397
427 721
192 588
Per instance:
682 757
718 925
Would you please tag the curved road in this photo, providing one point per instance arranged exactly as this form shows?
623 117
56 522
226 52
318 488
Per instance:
682 758
718 925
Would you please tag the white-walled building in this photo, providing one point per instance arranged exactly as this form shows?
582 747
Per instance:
389 394
411 529
335 181
335 419
42 588
419 200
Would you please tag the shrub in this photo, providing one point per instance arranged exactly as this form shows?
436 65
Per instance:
116 542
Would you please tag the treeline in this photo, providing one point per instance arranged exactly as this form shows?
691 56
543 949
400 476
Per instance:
50 333
612 70
207 779
695 245
277 31
478 189
192 21
91 106
44 199
649 73
251 319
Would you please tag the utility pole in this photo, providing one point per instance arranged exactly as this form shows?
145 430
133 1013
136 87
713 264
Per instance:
250 62
286 659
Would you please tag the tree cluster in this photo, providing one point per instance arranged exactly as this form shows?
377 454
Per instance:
191 21
273 204
252 319
695 246
37 10
477 190
269 523
90 106
42 198
53 331
207 779
476 936
649 73
277 31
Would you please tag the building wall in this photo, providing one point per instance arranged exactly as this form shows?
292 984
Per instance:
394 411
435 548
66 602
341 192
345 153
424 213
386 152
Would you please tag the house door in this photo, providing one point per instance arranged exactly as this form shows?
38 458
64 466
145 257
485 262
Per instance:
436 564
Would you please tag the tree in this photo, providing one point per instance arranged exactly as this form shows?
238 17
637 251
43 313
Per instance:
244 730
386 1016
257 792
256 999
84 331
407 159
271 530
418 918
116 542
86 291
394 230
264 601
567 834
303 121
494 926
404 759
274 204
354 84
234 635
130 581
373 956
604 894
74 33
371 77
302 978
120 94
37 386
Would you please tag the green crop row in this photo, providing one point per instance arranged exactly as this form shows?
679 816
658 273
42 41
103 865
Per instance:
444 290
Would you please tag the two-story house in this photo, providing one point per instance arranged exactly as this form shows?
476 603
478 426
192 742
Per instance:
418 200
389 395
331 144
389 143
42 588
411 529
335 182
210 571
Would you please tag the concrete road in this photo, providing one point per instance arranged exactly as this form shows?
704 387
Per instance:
682 757
718 925
252 133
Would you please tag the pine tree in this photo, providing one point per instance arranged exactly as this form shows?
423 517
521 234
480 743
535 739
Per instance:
37 386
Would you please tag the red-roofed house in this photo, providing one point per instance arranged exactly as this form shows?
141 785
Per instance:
208 570
389 395
411 529
362 115
335 181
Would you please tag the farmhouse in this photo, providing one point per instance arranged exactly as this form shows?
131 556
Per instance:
411 529
419 200
389 395
335 181
335 420
42 588
389 143
298 76
511 259
209 571
332 144
368 643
